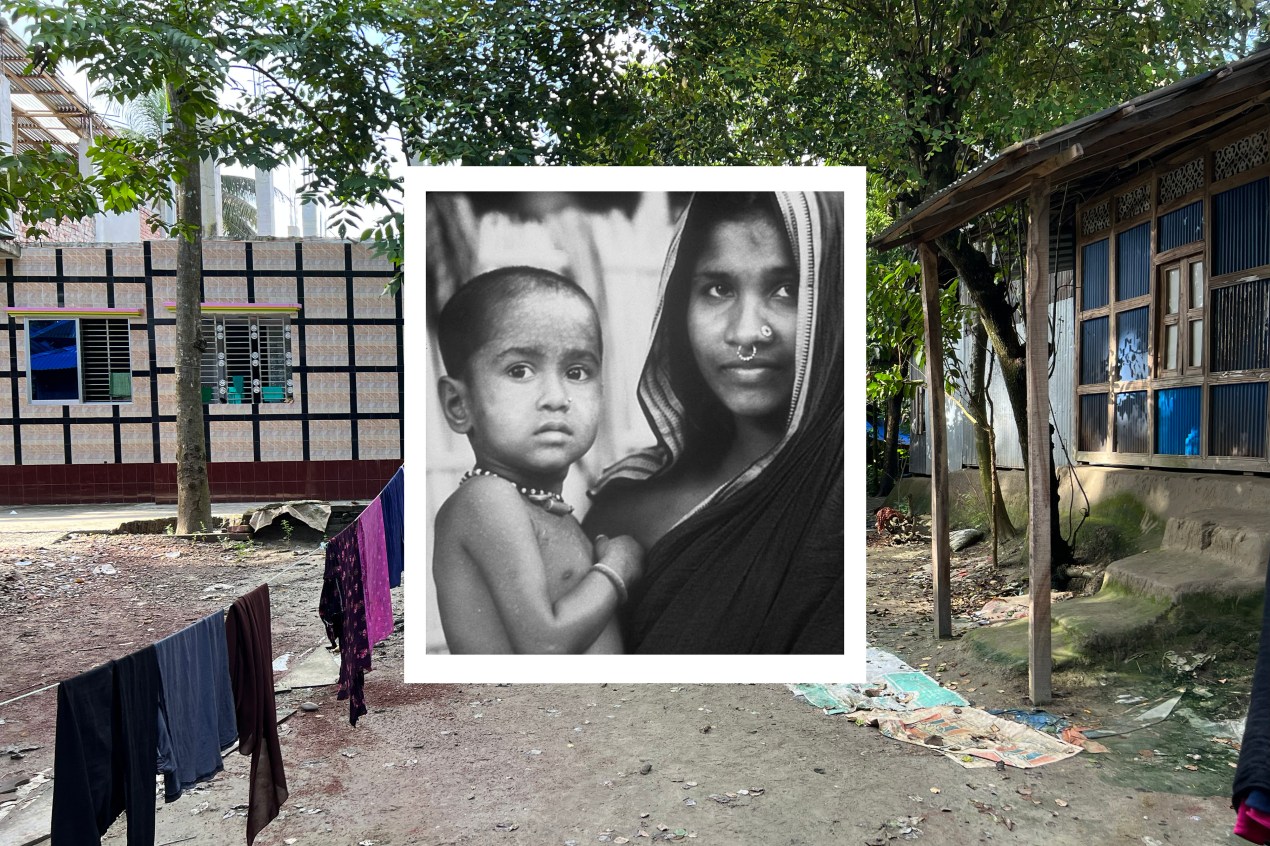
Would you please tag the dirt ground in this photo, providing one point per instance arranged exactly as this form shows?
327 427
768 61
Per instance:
561 764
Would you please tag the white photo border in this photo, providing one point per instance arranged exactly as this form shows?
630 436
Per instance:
421 667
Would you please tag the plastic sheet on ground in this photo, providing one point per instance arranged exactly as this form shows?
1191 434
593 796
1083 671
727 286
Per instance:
312 513
1140 717
972 737
879 662
892 685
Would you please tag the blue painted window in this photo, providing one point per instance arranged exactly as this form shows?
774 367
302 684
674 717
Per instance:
1132 361
1132 434
72 360
1241 227
1093 422
1093 275
1093 350
1237 420
1182 226
1240 327
1133 262
1177 420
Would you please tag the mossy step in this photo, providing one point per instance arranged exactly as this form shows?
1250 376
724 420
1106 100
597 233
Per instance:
1081 630
1173 576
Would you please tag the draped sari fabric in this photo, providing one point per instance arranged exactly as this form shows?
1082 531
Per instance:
1253 772
758 567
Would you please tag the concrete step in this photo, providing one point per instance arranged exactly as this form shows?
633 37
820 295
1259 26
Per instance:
1175 575
1240 540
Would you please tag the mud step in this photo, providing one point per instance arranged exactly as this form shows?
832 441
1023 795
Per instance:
1174 575
1107 624
1240 540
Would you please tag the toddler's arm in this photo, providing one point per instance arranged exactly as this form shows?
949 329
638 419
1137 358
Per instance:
505 549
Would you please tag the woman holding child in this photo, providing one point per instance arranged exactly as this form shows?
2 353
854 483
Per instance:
740 503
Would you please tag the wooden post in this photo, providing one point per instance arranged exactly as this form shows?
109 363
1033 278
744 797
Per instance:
937 437
1040 553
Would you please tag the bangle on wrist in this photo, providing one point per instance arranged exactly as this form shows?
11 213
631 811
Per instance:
612 576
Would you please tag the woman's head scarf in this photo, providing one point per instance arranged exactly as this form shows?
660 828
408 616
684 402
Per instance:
758 566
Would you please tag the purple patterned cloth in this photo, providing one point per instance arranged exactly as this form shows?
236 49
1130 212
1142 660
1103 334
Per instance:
374 555
343 611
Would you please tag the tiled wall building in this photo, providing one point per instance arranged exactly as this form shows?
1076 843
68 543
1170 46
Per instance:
302 376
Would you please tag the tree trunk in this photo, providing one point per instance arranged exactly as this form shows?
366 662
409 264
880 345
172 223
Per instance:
998 518
979 277
193 496
891 449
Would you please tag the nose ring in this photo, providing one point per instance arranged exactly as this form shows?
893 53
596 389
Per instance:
741 355
765 331
568 400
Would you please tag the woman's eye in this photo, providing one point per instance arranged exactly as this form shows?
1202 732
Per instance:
716 290
788 291
519 371
578 373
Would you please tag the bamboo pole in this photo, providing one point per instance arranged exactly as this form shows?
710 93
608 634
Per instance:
937 436
1040 553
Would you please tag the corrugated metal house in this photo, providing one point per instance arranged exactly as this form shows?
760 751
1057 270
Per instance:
1163 353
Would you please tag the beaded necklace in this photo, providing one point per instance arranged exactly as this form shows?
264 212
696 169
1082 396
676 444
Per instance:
552 502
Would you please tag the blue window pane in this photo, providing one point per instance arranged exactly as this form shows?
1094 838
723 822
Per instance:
1240 327
1132 434
1177 417
54 359
1182 226
1133 262
1093 351
1093 275
1132 361
1237 420
1093 422
1241 227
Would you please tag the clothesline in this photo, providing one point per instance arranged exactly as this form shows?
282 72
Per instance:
56 683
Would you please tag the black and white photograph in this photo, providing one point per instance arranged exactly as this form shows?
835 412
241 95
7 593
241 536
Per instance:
634 423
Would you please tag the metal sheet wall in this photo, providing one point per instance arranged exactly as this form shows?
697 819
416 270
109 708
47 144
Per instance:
1093 350
1177 420
961 439
1241 227
1182 226
1132 361
1237 420
1240 326
1133 262
1132 432
1093 422
1093 274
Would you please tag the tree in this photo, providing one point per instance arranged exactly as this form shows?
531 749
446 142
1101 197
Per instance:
193 51
920 92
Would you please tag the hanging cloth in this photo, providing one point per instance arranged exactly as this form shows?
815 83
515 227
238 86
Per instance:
374 555
107 734
197 718
343 611
393 500
249 641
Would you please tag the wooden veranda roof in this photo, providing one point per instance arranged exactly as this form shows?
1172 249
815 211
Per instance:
45 108
1092 151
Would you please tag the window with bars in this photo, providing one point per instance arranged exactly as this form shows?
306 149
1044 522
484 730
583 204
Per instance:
78 360
246 359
